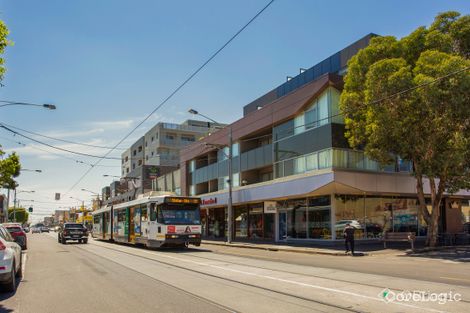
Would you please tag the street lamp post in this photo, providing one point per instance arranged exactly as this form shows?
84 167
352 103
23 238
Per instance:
96 194
230 176
45 105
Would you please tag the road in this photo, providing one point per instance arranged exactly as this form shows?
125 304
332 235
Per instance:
104 277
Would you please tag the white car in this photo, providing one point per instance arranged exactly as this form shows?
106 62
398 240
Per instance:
10 260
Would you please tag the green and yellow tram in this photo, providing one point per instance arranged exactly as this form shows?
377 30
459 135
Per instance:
153 221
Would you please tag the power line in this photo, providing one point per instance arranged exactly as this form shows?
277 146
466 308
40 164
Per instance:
56 154
312 123
58 139
187 80
58 148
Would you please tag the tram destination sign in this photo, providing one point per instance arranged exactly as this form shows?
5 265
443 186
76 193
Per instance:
182 200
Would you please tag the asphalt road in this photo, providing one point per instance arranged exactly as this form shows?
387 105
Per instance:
104 277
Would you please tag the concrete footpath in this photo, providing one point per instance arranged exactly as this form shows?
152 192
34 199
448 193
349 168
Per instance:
361 250
338 251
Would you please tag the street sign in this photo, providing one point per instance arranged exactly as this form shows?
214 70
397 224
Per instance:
57 196
30 210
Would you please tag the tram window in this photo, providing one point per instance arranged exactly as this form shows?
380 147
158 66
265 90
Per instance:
153 213
144 214
96 219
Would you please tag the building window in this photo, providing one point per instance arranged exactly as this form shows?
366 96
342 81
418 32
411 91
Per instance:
133 166
127 170
140 148
170 136
135 152
152 139
153 153
140 162
187 138
146 157
127 158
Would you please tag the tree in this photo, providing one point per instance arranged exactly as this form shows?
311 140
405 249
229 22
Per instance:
9 169
20 213
9 166
410 98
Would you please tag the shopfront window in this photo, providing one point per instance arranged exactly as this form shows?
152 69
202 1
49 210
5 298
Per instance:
372 216
216 222
319 218
296 218
241 221
256 221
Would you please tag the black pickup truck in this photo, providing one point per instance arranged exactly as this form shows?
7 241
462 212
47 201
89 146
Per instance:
72 231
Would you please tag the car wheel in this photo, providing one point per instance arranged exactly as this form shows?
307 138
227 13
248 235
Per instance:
85 241
10 286
80 241
19 274
58 239
63 241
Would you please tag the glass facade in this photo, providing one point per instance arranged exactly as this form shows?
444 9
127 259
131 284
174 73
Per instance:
306 218
372 216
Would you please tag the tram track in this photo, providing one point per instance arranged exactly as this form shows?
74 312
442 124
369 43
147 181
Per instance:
344 308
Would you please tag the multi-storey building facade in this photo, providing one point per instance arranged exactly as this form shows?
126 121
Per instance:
294 175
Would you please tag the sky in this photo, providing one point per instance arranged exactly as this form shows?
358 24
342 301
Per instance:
107 64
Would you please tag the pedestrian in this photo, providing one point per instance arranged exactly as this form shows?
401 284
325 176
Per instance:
348 234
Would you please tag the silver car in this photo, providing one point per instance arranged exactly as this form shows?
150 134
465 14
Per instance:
10 260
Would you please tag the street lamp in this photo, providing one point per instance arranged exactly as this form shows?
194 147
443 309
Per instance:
95 193
28 170
230 175
45 105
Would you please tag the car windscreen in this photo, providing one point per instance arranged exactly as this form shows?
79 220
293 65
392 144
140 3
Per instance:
179 214
14 229
73 226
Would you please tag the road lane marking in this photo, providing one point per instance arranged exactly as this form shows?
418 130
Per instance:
334 290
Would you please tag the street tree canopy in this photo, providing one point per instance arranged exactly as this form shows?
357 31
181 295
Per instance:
19 214
410 98
9 166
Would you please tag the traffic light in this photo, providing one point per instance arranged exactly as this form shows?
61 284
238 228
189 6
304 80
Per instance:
30 210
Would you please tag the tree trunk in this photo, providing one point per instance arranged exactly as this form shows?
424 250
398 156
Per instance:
433 228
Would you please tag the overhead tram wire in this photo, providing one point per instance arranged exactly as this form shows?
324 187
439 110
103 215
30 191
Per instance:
58 139
56 154
187 80
58 148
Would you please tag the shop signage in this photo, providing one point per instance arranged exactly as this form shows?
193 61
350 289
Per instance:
270 206
209 201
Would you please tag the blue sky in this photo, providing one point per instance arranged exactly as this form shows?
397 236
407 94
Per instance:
108 63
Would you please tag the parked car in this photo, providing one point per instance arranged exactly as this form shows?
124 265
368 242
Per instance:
10 260
72 231
17 232
26 229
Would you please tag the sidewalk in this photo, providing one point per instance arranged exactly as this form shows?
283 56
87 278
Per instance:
335 250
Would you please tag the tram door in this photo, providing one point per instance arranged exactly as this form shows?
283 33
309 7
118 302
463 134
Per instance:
105 225
131 225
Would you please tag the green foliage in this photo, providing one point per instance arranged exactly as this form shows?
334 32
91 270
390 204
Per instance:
9 169
4 42
430 122
21 215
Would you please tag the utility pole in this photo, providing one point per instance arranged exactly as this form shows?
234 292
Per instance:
14 206
229 204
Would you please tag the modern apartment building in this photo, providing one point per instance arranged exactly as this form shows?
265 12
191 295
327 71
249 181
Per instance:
160 146
294 175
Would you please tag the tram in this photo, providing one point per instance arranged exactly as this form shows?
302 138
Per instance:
153 221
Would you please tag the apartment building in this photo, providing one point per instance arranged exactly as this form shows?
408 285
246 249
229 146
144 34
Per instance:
294 175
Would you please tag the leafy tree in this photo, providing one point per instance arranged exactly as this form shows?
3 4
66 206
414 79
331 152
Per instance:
9 166
9 169
21 215
410 98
